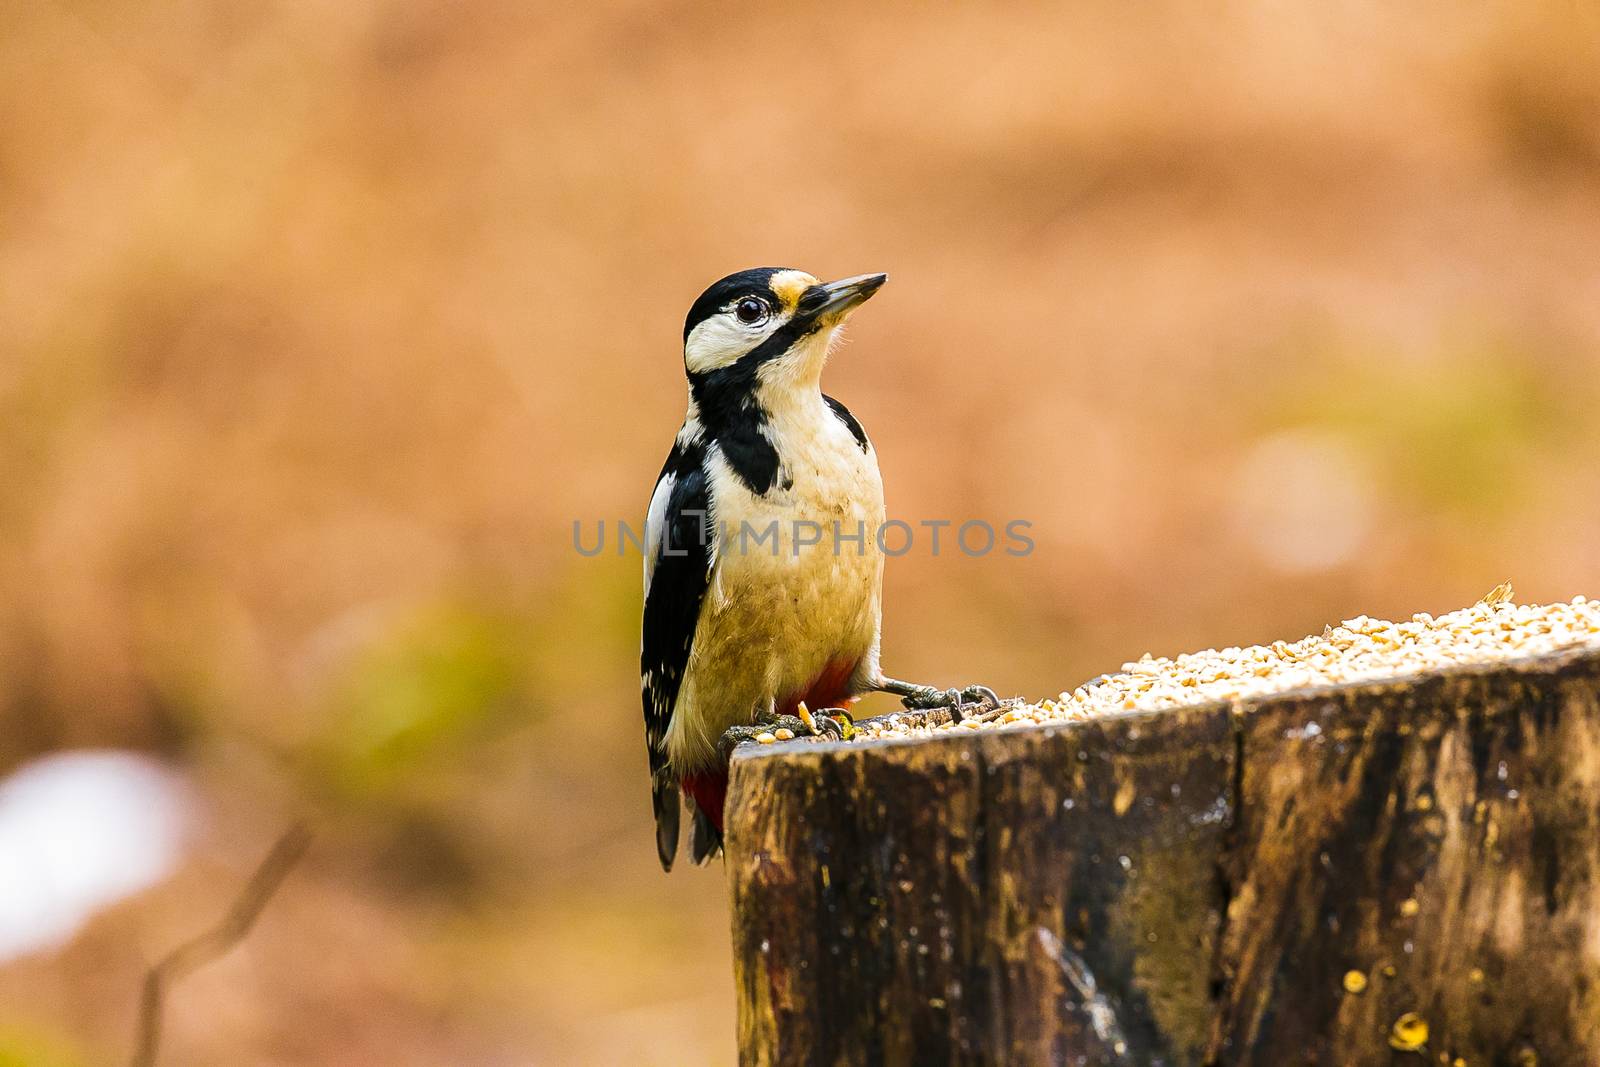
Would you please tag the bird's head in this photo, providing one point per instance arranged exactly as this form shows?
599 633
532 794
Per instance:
769 325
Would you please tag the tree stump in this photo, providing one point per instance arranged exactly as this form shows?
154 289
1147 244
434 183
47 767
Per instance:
1385 873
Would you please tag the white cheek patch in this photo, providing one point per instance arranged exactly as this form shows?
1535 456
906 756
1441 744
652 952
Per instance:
719 342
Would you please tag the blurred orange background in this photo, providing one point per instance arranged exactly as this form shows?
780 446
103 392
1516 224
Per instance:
321 324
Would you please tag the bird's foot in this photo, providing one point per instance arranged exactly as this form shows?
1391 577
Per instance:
831 724
734 736
828 724
956 701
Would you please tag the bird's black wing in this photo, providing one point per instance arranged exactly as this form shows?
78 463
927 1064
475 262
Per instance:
851 423
678 565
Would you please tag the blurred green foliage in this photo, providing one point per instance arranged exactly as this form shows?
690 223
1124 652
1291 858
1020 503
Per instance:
425 690
22 1046
1450 435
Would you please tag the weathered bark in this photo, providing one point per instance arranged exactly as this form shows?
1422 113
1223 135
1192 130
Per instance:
1189 887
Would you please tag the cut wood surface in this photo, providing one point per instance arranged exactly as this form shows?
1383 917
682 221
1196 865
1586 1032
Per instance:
1390 872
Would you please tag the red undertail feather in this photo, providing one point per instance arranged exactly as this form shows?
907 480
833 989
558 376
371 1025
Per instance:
829 689
709 790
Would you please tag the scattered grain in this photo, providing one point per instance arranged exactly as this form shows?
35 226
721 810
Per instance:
1361 649
1409 1033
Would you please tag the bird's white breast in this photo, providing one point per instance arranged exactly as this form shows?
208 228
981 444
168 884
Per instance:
778 611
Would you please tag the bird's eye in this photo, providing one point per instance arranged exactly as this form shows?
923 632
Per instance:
750 311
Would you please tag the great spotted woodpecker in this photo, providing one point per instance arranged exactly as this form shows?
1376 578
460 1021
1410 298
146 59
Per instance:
748 615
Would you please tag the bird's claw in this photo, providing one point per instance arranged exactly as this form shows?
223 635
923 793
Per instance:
834 724
927 698
828 724
734 736
981 694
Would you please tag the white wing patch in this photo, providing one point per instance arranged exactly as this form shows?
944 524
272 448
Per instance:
655 520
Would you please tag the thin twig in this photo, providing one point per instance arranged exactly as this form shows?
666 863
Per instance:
234 927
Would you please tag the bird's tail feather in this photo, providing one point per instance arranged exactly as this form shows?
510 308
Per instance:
669 806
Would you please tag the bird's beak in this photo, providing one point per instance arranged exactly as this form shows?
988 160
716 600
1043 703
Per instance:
831 302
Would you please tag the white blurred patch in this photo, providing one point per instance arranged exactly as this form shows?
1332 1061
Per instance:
78 832
1304 501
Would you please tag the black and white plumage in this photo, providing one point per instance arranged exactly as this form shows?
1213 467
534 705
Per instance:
744 616
677 568
733 631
